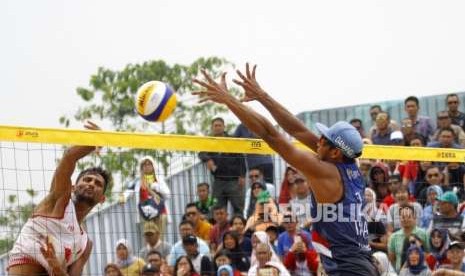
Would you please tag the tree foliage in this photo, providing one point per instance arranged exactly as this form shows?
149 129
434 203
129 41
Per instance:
111 97
13 218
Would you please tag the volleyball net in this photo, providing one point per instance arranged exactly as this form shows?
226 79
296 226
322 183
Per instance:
29 155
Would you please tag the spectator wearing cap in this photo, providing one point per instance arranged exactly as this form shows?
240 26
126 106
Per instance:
205 201
150 270
201 262
431 207
455 254
292 234
393 216
421 124
220 214
397 138
448 217
382 133
446 139
201 227
153 241
408 227
444 121
300 204
186 228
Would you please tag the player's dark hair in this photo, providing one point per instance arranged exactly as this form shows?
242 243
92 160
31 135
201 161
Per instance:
100 171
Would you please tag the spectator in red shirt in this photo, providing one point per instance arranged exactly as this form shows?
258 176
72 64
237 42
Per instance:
394 185
221 226
301 260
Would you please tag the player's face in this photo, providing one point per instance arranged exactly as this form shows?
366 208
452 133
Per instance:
90 189
323 148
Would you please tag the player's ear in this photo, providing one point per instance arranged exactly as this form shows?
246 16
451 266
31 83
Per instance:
73 188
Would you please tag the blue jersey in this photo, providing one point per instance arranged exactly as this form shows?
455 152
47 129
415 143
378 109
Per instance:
340 231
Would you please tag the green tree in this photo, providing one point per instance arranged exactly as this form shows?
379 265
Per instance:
111 97
13 219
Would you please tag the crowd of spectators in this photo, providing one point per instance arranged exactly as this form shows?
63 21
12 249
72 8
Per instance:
414 210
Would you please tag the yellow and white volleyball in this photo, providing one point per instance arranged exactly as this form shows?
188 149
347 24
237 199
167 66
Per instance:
155 101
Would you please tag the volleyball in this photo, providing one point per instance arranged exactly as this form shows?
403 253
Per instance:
155 101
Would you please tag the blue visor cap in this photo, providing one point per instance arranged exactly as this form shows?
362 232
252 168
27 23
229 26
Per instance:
344 136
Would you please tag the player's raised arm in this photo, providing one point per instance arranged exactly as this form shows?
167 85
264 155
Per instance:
324 179
61 182
285 119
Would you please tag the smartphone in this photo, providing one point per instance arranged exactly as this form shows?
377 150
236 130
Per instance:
267 271
297 239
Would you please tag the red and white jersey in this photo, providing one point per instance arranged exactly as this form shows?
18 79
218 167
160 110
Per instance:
65 233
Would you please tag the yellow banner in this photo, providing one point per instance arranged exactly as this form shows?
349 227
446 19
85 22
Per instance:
197 143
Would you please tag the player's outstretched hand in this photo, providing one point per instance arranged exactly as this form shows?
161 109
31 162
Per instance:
213 91
252 89
91 125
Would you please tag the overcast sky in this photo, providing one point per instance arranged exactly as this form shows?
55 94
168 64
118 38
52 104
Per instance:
311 54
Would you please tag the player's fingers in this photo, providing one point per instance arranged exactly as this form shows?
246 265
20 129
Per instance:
247 70
246 99
253 71
239 73
204 84
223 78
207 76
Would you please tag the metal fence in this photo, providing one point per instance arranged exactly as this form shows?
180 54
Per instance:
107 225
